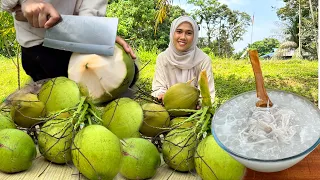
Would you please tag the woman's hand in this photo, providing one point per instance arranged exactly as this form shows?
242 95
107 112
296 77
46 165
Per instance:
160 97
38 13
125 46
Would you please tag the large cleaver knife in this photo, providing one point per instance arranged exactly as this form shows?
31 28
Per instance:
83 34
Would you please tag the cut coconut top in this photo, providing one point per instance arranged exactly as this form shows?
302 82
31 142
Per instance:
100 74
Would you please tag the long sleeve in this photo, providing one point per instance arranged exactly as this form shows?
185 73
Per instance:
206 65
8 5
159 81
91 7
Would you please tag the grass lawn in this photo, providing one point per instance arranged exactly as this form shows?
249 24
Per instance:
9 77
232 77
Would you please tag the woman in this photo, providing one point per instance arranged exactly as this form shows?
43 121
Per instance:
182 60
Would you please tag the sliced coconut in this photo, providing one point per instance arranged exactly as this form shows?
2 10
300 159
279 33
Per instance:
104 78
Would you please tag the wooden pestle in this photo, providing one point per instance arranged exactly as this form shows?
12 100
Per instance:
264 100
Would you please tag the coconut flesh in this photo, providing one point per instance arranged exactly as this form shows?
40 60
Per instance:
54 139
155 119
17 151
213 163
286 129
178 149
140 159
97 153
123 117
181 96
102 78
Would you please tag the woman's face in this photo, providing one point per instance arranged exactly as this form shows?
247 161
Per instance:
183 36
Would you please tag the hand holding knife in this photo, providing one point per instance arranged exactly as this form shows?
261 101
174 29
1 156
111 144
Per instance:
38 13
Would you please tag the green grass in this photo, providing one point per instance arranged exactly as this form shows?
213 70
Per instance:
232 77
9 77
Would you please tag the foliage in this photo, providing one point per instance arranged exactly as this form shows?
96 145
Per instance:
223 25
9 78
8 41
136 22
309 26
265 46
233 77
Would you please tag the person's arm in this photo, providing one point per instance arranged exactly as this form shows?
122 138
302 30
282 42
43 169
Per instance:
38 13
9 5
159 81
91 7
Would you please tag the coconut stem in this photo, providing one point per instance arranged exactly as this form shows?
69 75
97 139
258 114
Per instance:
82 116
82 100
191 118
95 115
202 117
183 110
204 89
89 120
205 127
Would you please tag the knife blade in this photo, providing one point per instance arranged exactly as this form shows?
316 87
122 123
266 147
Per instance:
83 34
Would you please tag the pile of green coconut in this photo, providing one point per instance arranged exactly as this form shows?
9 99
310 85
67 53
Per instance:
84 120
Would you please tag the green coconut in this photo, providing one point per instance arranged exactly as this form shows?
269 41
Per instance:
123 117
6 122
26 110
141 159
59 93
102 78
155 117
178 122
136 135
181 96
97 152
55 139
178 149
213 163
17 151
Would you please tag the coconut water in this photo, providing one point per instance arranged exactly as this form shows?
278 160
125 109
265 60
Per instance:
288 128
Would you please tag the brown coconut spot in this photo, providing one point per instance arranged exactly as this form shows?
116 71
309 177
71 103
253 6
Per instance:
127 154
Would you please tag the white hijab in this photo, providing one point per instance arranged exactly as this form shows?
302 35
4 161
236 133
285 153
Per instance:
188 59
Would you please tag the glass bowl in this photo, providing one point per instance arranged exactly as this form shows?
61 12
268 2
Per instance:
230 125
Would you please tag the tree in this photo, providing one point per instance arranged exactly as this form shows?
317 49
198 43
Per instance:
222 25
265 46
136 22
8 41
309 24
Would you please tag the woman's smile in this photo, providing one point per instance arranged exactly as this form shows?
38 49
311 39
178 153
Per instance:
183 36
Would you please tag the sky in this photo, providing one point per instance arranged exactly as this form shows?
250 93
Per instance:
265 18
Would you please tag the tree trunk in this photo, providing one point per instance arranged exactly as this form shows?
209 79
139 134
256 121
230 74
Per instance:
208 34
219 39
300 43
311 11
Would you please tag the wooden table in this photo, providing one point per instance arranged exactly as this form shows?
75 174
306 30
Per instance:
307 169
43 170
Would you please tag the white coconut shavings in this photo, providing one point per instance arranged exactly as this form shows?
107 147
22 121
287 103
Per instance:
267 125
